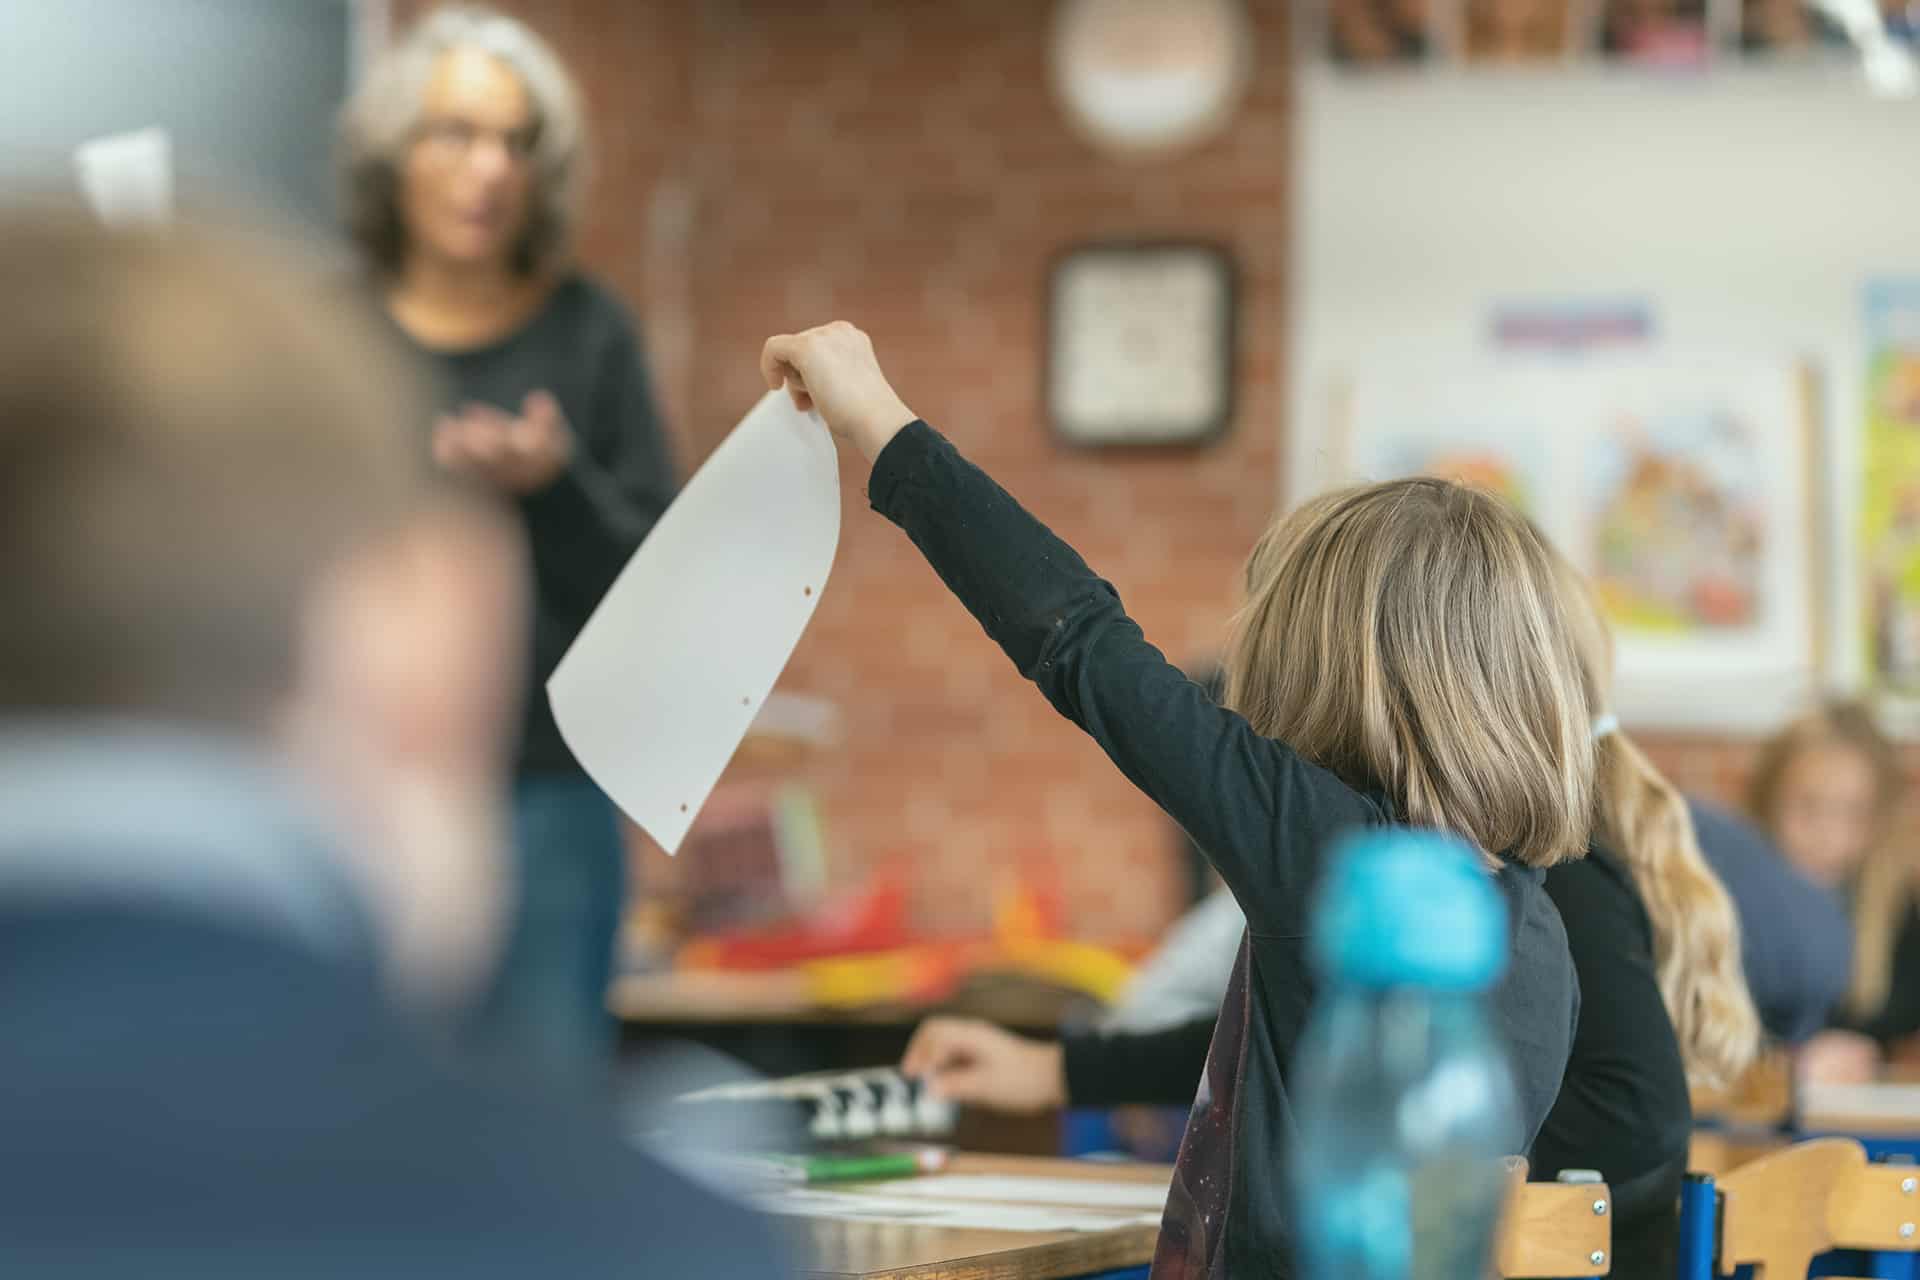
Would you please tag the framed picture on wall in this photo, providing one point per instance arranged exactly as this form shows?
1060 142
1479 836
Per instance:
1685 488
1140 344
1889 556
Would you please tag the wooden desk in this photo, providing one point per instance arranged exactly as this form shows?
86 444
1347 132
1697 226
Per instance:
841 1250
782 998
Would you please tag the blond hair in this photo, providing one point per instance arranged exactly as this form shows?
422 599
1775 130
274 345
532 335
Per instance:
1642 817
190 432
1882 888
1407 636
382 119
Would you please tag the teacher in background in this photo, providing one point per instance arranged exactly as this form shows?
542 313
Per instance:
461 162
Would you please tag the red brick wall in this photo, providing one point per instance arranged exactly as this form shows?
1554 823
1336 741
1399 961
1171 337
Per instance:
913 173
765 164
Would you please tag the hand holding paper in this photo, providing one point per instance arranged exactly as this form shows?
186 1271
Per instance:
833 369
663 682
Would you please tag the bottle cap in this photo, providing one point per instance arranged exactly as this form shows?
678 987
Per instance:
1407 908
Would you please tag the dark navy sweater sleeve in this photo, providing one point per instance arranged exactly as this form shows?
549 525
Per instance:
1899 1016
1795 942
1064 628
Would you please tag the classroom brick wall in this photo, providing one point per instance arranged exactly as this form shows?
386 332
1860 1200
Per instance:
763 164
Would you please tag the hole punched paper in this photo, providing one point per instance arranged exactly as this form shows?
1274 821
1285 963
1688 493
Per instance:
665 679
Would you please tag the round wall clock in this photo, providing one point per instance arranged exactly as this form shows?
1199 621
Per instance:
1146 75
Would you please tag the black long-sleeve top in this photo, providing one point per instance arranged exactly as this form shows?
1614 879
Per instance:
1263 814
1623 1107
1898 1016
581 529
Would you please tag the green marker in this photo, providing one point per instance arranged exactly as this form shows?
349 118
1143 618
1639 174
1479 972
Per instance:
864 1168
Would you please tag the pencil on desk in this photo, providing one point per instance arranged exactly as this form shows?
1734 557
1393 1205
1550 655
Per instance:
812 1169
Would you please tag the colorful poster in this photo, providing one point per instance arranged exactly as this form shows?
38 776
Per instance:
1890 498
1681 487
1678 521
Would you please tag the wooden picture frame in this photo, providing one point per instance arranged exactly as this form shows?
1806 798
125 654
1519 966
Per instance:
1142 344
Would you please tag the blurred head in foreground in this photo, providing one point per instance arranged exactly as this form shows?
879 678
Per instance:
216 520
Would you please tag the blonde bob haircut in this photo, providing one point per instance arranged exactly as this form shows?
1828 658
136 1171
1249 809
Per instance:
1643 818
382 120
1409 637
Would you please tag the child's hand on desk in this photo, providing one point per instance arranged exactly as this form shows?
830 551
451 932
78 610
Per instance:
969 1061
833 369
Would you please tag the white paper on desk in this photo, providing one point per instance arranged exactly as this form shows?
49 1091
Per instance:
660 686
1082 1193
128 177
862 1206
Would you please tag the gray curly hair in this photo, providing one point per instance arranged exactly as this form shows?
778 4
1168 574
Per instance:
380 121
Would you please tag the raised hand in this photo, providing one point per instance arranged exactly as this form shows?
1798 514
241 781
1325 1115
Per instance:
833 369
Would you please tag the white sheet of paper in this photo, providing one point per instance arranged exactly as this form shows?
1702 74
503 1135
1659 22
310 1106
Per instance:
1072 1192
861 1206
128 177
1879 1101
662 683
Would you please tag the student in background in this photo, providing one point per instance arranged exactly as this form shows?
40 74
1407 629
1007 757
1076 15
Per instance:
1827 789
1796 946
461 162
1655 946
1416 586
250 804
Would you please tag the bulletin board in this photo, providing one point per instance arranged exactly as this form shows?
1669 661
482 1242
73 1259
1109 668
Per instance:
1739 219
1684 489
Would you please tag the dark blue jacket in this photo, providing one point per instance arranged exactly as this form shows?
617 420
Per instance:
1795 941
192 1087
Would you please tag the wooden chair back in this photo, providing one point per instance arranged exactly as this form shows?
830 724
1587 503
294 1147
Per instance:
1559 1229
1720 1152
1781 1211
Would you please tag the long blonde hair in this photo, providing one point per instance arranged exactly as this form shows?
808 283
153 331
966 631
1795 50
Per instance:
1696 931
1408 637
1882 888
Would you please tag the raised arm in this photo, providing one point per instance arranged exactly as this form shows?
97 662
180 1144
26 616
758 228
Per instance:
1260 813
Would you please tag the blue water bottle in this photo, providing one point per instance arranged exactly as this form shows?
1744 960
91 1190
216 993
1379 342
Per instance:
1405 1100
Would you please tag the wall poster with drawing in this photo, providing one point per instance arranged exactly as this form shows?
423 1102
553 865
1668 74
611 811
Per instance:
1890 494
1684 488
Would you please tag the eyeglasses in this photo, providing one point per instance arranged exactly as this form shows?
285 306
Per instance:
458 138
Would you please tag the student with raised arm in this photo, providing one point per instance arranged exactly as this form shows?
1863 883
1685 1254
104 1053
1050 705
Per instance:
1655 947
1401 657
